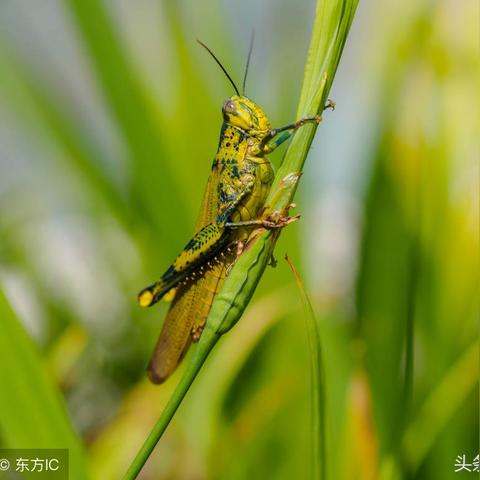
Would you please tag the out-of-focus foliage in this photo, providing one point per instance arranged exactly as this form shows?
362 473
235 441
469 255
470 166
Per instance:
42 422
109 119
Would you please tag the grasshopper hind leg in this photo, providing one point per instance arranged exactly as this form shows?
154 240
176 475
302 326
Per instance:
187 316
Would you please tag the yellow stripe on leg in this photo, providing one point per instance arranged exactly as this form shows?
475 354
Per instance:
170 295
145 298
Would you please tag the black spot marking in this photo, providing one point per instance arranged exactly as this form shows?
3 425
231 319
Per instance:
222 131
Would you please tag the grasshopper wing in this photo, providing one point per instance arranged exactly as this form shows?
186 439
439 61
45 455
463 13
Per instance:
187 316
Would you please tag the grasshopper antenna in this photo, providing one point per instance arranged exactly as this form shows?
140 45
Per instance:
250 49
220 65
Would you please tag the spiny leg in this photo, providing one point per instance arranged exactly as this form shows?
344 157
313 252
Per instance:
273 261
195 254
268 223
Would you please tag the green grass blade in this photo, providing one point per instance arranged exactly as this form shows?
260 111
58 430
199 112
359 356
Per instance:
137 121
440 406
384 302
319 445
201 352
32 413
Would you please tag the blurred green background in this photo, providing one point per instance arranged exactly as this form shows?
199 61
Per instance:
109 120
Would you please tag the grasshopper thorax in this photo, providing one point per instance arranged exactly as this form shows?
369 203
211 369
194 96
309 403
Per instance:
242 113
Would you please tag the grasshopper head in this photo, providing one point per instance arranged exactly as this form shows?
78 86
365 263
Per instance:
242 113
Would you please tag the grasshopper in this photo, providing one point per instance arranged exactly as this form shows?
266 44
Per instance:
237 187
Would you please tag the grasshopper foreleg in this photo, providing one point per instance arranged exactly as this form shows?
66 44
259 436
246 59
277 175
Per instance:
270 143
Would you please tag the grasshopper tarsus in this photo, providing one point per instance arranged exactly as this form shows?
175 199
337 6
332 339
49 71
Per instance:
273 261
315 119
330 104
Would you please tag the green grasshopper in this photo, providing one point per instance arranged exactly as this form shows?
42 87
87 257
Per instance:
238 185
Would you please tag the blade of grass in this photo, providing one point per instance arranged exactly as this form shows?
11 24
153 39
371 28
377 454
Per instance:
445 399
138 121
199 356
32 413
385 302
317 384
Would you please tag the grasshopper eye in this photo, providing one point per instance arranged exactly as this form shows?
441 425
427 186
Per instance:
229 107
